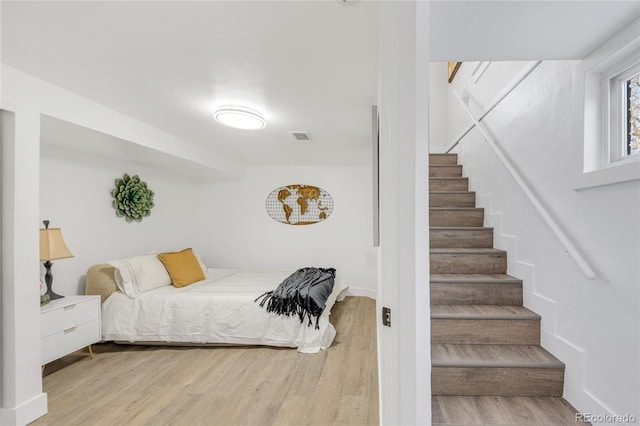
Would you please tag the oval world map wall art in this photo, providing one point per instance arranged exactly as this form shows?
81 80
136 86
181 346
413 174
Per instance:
299 204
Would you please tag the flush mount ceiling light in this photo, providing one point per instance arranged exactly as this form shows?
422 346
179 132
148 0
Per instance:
239 117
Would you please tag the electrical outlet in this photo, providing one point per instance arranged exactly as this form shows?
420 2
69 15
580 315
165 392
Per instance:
386 316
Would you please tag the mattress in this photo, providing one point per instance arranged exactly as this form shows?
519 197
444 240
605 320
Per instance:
218 310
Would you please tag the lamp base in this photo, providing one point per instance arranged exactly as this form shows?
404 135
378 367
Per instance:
48 279
53 296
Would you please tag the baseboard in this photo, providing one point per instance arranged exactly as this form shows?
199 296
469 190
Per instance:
24 413
362 292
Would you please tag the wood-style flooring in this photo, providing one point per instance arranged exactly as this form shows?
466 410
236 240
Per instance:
190 386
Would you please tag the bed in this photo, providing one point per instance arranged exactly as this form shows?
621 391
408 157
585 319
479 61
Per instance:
218 310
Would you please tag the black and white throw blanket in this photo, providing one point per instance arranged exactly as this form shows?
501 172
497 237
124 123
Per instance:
303 293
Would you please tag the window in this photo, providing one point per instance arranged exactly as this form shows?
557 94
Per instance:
632 121
611 111
622 101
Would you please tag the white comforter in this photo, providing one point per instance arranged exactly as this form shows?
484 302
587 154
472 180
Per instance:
220 309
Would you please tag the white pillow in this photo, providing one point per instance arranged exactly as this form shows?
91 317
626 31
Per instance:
205 271
135 275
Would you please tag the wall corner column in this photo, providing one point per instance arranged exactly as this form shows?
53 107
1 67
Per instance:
404 349
22 399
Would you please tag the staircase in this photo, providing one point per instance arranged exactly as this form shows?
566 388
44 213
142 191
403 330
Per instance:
485 346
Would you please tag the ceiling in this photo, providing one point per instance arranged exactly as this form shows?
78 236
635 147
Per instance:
306 65
525 30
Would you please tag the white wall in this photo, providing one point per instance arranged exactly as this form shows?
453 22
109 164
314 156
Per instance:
403 348
485 80
226 222
438 107
235 231
591 325
75 195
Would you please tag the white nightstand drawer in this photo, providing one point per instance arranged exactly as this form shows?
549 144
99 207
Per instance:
58 319
70 339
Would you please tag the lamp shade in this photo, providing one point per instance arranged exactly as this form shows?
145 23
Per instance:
52 245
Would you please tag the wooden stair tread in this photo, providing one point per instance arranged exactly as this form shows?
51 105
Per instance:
492 356
474 278
484 342
457 294
452 198
460 228
450 215
468 260
467 251
442 170
475 289
443 159
456 208
460 237
483 312
448 183
451 192
502 410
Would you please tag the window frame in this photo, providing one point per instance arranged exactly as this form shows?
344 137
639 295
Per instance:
603 162
628 120
615 97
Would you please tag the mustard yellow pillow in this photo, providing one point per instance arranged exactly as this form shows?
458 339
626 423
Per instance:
183 267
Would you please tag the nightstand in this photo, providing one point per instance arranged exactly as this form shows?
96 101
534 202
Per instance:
69 324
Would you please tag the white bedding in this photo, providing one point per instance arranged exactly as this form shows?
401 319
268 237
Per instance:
218 310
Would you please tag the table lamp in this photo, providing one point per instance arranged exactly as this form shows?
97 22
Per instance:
52 247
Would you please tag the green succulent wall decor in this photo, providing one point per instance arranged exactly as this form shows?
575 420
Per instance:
132 198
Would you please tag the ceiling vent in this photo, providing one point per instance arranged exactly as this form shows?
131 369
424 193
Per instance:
301 136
